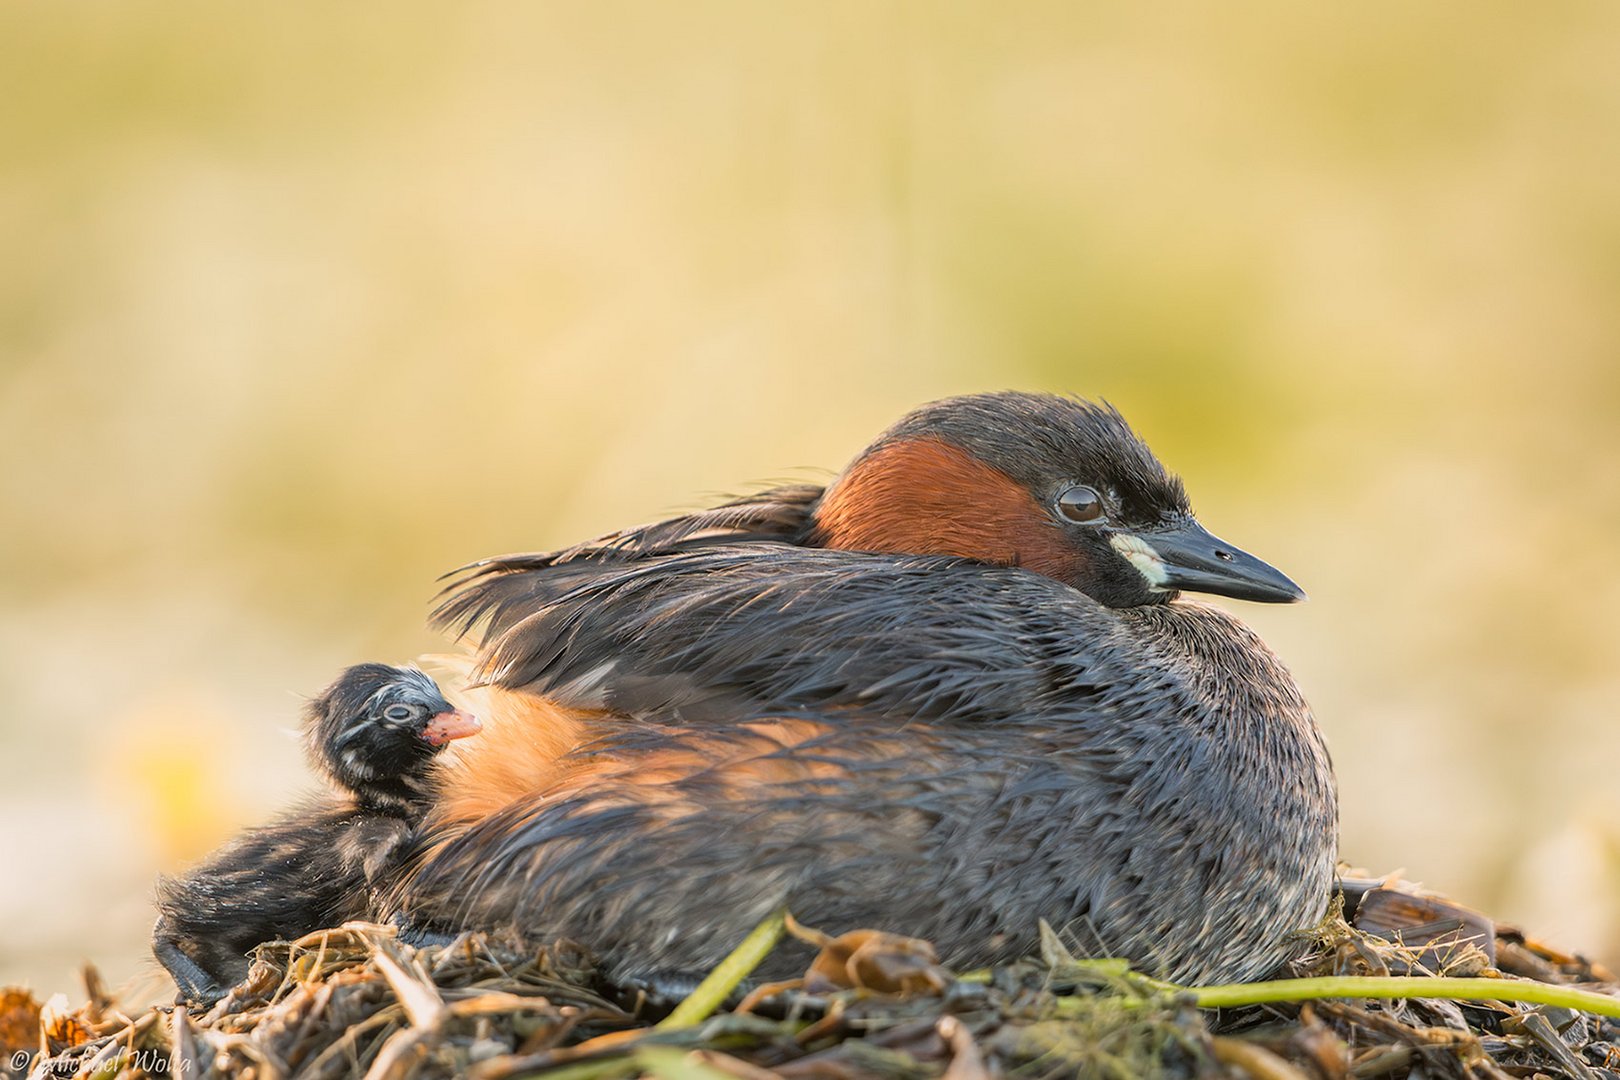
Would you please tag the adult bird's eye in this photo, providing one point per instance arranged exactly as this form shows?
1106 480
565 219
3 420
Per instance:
1080 504
399 712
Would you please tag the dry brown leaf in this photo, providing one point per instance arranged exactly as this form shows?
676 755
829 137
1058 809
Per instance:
871 960
19 1020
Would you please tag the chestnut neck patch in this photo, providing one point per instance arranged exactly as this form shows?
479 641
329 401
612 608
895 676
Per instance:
923 496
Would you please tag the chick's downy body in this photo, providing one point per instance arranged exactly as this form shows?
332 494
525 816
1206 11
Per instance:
374 733
964 698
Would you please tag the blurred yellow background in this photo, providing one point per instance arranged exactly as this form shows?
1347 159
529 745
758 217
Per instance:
303 304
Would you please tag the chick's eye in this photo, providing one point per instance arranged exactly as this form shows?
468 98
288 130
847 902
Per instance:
1080 504
399 712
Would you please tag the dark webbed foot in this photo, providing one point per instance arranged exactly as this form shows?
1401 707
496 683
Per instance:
653 994
197 986
418 936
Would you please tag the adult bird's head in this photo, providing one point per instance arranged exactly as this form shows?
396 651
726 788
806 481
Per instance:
1052 484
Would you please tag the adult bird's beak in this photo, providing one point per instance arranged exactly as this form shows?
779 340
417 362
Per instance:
1186 556
455 724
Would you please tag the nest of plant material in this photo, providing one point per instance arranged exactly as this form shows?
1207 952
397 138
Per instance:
356 1002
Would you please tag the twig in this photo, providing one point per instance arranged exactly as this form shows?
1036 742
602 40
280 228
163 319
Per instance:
1391 987
712 992
1253 1059
413 987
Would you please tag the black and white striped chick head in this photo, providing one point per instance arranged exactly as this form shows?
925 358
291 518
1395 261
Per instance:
376 731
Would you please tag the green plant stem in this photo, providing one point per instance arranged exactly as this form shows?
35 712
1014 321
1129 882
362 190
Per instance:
1369 986
712 992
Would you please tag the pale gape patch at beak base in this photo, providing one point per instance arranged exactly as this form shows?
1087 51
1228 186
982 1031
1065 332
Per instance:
1140 554
455 724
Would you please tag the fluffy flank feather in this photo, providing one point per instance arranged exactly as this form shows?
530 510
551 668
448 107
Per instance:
515 755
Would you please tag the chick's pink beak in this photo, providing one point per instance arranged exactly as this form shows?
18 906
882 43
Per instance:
446 726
